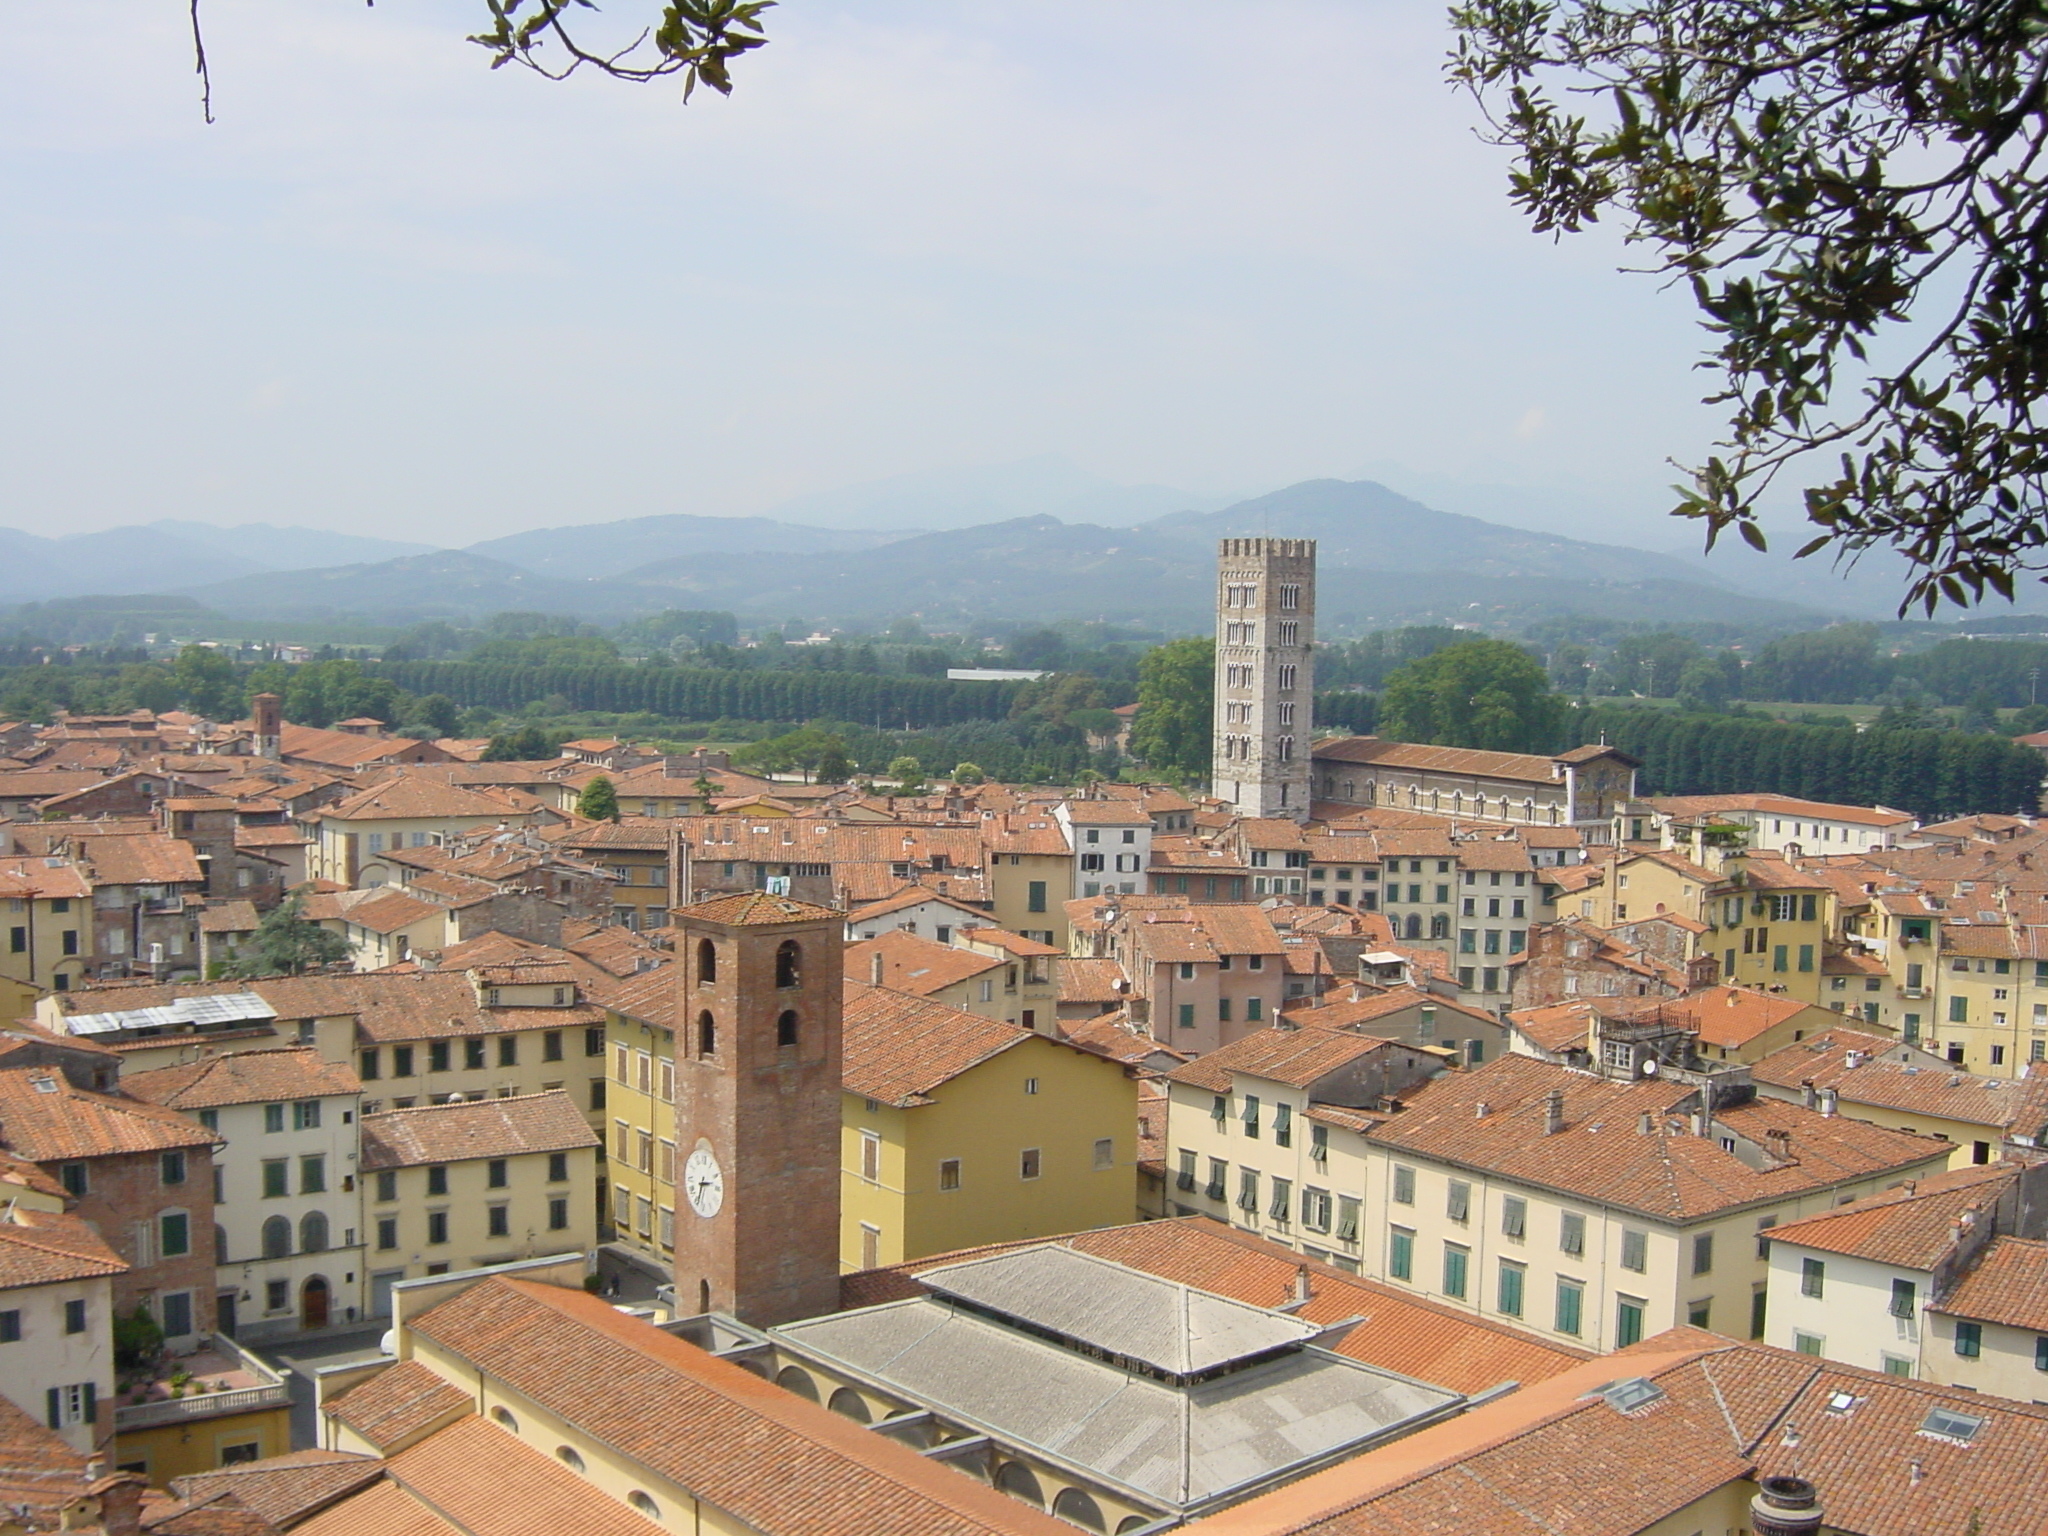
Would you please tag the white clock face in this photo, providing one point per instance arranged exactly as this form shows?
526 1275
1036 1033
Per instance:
704 1182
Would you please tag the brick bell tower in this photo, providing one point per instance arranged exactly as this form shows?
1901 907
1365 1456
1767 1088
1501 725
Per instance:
757 1107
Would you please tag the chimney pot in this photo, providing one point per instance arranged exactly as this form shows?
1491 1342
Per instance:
1643 1123
1553 1112
1302 1291
875 968
1482 1109
1785 1506
1808 1094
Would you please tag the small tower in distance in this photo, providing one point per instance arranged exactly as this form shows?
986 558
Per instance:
266 712
1265 675
758 1053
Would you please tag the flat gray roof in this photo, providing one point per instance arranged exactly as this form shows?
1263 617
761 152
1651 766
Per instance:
1178 1446
1107 1306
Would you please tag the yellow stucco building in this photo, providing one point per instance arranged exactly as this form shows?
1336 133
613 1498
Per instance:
961 1130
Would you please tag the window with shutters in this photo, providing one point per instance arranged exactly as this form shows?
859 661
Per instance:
1458 1201
1401 1253
1509 1298
1347 1218
1280 1207
1315 1209
1813 1277
1703 1253
1219 1171
1456 1261
1248 1190
1571 1232
1514 1217
1404 1185
1635 1249
1283 1125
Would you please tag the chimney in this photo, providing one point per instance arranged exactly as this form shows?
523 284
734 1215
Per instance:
1302 1292
1481 1110
1553 1112
1785 1506
875 969
1644 1121
1827 1101
1807 1093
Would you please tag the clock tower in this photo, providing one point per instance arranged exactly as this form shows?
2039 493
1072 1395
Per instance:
757 1107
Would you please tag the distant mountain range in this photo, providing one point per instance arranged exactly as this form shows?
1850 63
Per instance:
1385 560
166 555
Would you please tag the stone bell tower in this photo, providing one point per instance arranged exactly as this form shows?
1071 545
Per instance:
1265 675
757 1053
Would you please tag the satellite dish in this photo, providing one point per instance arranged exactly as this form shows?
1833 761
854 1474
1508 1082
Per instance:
1650 1066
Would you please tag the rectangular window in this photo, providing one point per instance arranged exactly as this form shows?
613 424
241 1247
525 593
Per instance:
273 1118
949 1172
401 1061
1628 1321
1104 1154
1027 1163
473 1055
1514 1217
1458 1201
558 1217
1969 1339
551 1045
369 1064
440 1056
558 1168
1703 1253
1219 1170
508 1050
1903 1298
10 1326
498 1173
500 1220
306 1115
593 1040
1959 1010
1248 1190
1806 957
1571 1303
1251 1116
174 1238
1455 1261
1187 1015
1319 1143
1510 1289
1808 1343
871 1156
1401 1254
387 1232
437 1226
1404 1185
1347 1218
437 1179
276 1178
177 1310
1635 1250
171 1167
1283 1125
1315 1209
1813 1274
313 1175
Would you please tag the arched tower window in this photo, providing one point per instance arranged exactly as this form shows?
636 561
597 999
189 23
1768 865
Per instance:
707 1034
785 1027
707 962
789 963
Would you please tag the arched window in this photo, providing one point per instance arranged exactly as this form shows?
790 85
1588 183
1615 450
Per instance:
703 1297
785 1027
313 1233
1078 1508
1132 1523
569 1457
707 1034
1021 1483
1440 926
707 962
504 1416
644 1504
791 1379
850 1404
1414 925
277 1238
789 962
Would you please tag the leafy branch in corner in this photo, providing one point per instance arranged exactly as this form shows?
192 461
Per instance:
697 39
1853 192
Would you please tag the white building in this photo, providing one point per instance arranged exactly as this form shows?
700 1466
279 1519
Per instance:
287 1206
1265 675
1112 843
57 1321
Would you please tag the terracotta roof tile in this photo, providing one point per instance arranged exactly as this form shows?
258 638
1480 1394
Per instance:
911 896
2008 1284
1911 1227
1296 1057
243 1077
769 1459
409 797
150 860
45 1119
1089 981
1892 1075
1601 1154
382 1509
912 964
449 1133
284 1489
488 1482
42 1248
899 1048
398 1405
753 908
1466 760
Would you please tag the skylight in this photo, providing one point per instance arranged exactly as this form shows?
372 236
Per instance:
1628 1395
1951 1425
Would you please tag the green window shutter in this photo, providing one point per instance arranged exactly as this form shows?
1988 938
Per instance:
92 1403
1959 1010
1807 906
56 1408
1778 958
1187 1015
1806 957
1035 900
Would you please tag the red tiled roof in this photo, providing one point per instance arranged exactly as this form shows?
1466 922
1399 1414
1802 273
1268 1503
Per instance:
243 1077
283 1490
1296 1057
767 1458
752 908
899 1048
43 1248
912 964
449 1133
1911 1227
45 1119
2008 1284
398 1405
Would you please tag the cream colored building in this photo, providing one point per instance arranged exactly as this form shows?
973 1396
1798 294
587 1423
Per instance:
57 1319
1990 1332
287 1211
453 1187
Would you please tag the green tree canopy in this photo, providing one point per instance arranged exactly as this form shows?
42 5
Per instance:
1853 194
599 800
285 943
1176 704
1478 693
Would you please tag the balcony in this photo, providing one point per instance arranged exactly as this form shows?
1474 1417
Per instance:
220 1379
162 906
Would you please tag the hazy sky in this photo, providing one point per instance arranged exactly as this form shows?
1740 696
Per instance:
1218 247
